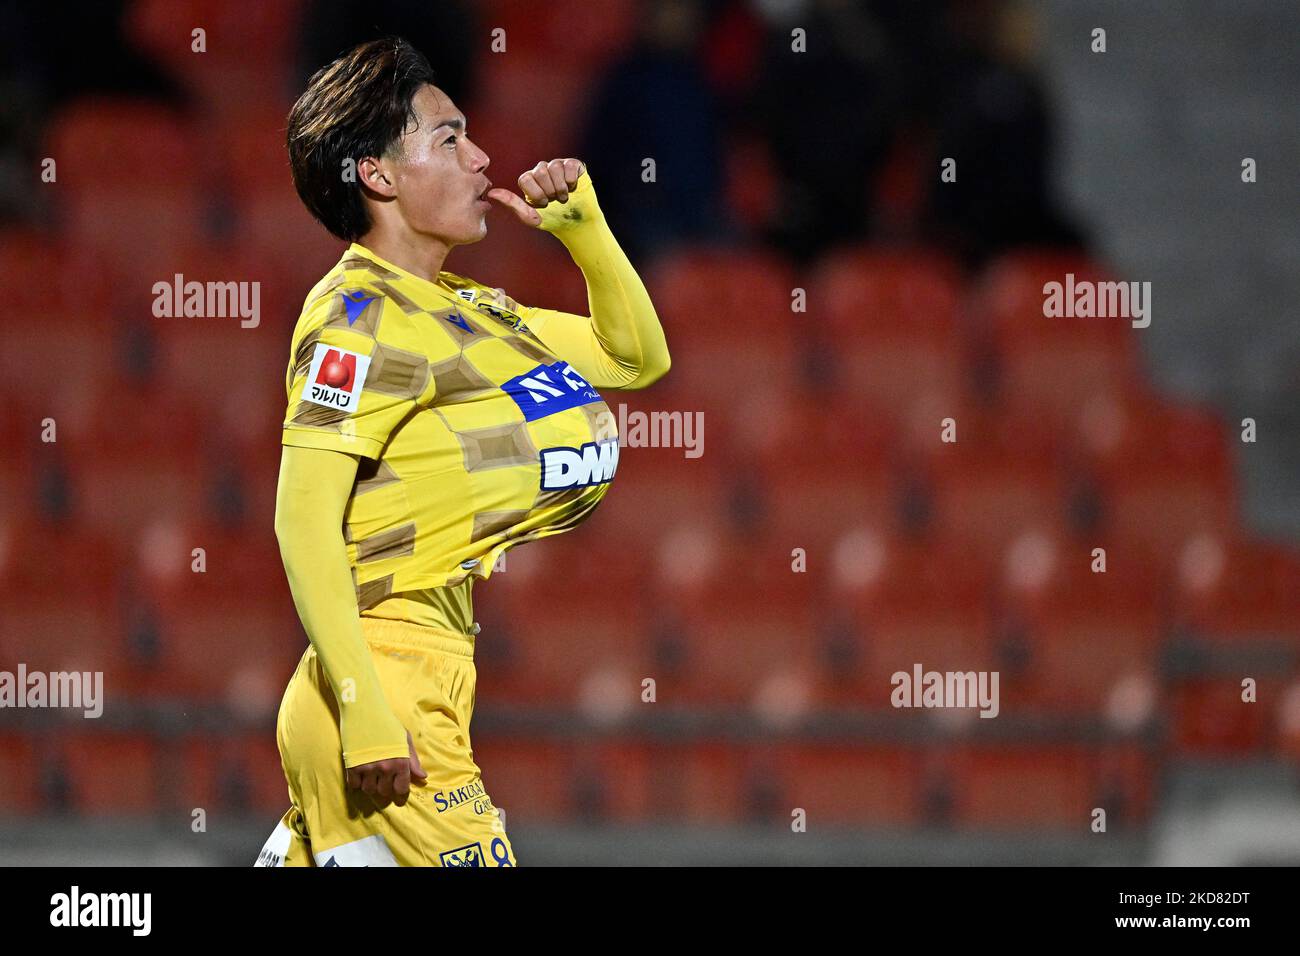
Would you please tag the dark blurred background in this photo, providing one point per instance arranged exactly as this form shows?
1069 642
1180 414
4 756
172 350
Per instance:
774 171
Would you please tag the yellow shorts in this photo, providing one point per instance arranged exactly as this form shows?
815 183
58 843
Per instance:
428 677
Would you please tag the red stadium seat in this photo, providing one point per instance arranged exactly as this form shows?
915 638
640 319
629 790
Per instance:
569 650
1008 298
842 784
530 779
698 499
937 634
700 782
1236 589
1055 379
1026 788
810 505
893 376
60 361
1159 511
1041 574
218 363
1100 662
236 649
1047 787
44 275
561 30
118 496
706 295
248 52
1163 472
108 772
756 652
1207 716
227 775
166 424
101 148
288 243
622 779
523 105
894 603
880 295
19 768
988 503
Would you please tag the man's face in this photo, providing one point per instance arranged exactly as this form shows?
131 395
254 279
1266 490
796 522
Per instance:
440 175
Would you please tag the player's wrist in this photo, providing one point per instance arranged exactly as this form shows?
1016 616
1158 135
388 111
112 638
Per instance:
368 737
580 213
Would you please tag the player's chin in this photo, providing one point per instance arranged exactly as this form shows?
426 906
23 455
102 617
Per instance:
477 230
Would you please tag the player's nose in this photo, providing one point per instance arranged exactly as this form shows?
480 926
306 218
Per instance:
480 160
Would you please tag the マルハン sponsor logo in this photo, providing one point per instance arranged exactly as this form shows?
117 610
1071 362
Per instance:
336 377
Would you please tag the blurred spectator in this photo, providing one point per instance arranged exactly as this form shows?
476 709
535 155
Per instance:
655 103
447 33
994 120
68 48
50 53
827 117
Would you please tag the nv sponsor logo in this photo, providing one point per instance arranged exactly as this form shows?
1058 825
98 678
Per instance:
548 389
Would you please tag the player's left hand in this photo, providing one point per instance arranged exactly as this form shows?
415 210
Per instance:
544 183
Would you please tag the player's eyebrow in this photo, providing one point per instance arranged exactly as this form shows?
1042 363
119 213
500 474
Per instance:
456 123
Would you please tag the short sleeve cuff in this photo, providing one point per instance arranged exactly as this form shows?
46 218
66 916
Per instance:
332 441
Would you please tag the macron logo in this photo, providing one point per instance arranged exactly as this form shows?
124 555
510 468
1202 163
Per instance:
355 303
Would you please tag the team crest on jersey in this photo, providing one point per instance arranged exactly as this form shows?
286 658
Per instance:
470 855
335 377
592 464
502 314
548 389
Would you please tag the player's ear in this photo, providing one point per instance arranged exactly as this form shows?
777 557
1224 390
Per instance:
373 174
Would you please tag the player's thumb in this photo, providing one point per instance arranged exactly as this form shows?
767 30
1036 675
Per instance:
417 772
515 203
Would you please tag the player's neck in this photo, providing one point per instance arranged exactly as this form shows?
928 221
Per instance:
419 255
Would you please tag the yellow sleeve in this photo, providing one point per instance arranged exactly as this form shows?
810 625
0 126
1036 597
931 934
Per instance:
358 372
310 499
621 344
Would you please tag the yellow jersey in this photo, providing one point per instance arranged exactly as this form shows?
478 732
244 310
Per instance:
474 437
